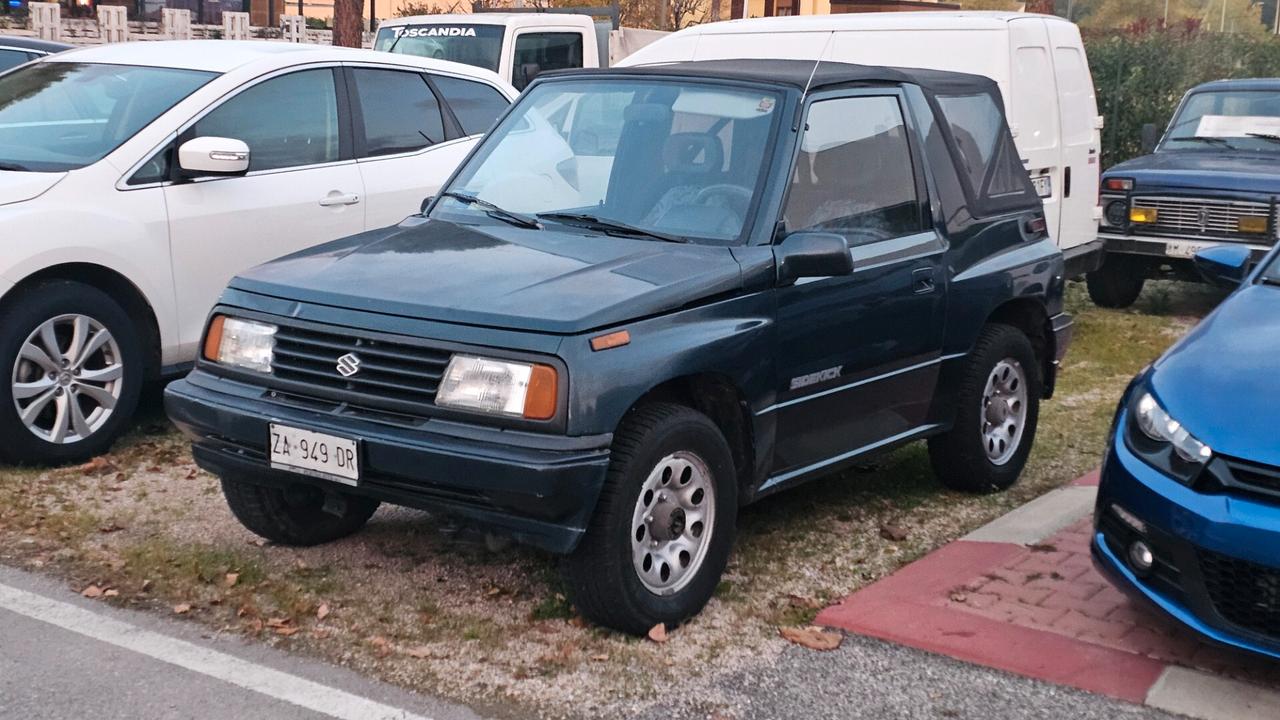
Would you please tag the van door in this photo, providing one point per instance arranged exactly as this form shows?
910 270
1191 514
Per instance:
1081 140
1034 117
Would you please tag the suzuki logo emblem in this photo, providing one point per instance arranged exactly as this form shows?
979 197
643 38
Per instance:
348 365
1203 217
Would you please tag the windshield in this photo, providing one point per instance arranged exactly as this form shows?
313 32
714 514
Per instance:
478 45
672 159
58 116
1229 119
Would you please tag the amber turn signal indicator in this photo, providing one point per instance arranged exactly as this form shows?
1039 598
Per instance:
540 398
213 338
1253 224
612 340
1142 215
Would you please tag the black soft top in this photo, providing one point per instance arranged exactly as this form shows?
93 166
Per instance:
797 74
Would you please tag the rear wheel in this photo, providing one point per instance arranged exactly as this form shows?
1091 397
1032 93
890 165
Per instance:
72 368
296 515
997 410
1119 282
664 526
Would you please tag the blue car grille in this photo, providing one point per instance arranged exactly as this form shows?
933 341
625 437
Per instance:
1211 218
1244 593
1251 476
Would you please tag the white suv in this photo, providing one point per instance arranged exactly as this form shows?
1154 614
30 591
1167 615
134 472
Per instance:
137 179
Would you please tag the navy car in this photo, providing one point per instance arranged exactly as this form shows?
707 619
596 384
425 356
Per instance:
1213 179
650 296
1188 512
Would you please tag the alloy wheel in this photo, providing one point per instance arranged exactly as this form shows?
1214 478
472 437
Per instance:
67 379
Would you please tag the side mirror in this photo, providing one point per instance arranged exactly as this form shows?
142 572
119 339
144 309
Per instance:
812 254
202 156
1224 264
426 204
1150 136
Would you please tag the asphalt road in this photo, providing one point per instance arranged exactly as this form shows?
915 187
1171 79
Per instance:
65 657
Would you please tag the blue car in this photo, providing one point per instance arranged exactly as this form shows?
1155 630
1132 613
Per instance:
1188 512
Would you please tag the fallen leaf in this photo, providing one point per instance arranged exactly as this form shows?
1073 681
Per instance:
110 527
381 647
322 612
278 622
146 585
814 638
97 466
658 633
182 609
93 591
110 593
798 601
896 533
600 658
420 652
231 579
319 633
286 631
493 592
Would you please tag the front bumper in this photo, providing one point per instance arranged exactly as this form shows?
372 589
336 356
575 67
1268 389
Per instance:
1171 247
1193 536
540 489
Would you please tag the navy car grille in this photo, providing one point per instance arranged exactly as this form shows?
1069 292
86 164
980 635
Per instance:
1210 218
1244 593
396 372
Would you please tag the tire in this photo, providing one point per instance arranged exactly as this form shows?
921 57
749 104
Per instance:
970 457
299 515
53 413
1118 283
607 586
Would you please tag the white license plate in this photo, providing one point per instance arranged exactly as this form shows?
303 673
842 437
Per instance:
1183 249
315 454
1043 185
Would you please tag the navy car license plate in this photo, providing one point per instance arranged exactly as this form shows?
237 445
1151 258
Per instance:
316 454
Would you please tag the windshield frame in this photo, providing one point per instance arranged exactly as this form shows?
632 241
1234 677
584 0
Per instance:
768 189
208 77
1186 144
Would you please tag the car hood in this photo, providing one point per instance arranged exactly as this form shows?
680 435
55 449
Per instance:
555 280
18 187
1202 170
1220 380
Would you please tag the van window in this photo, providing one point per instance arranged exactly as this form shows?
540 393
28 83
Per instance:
1075 96
854 173
1034 99
400 112
476 105
985 154
546 51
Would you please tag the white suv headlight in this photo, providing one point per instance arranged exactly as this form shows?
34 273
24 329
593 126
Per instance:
1156 423
499 386
240 343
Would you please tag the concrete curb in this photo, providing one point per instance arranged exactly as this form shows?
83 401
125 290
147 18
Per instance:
911 608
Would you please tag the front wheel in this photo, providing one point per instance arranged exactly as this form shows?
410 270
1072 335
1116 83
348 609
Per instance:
664 525
1118 283
298 515
997 409
71 370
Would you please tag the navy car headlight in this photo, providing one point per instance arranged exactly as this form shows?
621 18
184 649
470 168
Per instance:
516 389
240 343
1164 442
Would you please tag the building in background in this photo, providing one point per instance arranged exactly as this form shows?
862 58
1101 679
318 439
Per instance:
776 8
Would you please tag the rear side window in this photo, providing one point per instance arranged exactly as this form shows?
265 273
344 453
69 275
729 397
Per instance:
985 152
400 112
476 105
854 175
539 52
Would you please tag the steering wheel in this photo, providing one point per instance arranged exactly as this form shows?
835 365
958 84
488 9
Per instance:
736 197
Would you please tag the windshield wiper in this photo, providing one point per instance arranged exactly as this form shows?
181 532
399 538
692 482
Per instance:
495 211
607 225
14 167
1220 142
1265 136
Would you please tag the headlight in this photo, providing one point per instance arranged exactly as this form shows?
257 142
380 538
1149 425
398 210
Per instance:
1143 215
240 343
498 386
1117 213
1156 424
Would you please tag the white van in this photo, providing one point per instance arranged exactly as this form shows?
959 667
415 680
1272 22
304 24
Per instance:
1038 61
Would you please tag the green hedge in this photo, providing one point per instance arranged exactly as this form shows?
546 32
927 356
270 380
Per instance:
1140 76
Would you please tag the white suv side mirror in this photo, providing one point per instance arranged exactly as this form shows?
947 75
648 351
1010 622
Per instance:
213 156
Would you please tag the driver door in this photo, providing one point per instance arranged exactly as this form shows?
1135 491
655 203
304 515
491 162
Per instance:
858 355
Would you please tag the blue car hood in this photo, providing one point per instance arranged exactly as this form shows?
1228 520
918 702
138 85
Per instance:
556 280
1222 381
1238 172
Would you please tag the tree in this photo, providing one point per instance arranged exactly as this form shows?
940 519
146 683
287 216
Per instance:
348 23
685 12
1239 15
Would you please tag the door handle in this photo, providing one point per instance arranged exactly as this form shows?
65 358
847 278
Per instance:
337 198
922 281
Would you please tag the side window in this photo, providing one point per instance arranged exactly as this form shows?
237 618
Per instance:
987 155
400 111
11 58
540 52
154 170
476 105
287 121
854 175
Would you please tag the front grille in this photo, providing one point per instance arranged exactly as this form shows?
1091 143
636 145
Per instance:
1210 218
391 371
1243 593
1252 476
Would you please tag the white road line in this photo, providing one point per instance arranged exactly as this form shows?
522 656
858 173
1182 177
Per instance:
1040 518
1201 695
227 668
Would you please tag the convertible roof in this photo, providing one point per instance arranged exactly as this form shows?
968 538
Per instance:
797 73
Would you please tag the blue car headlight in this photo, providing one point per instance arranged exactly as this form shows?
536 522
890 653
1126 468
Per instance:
1163 442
